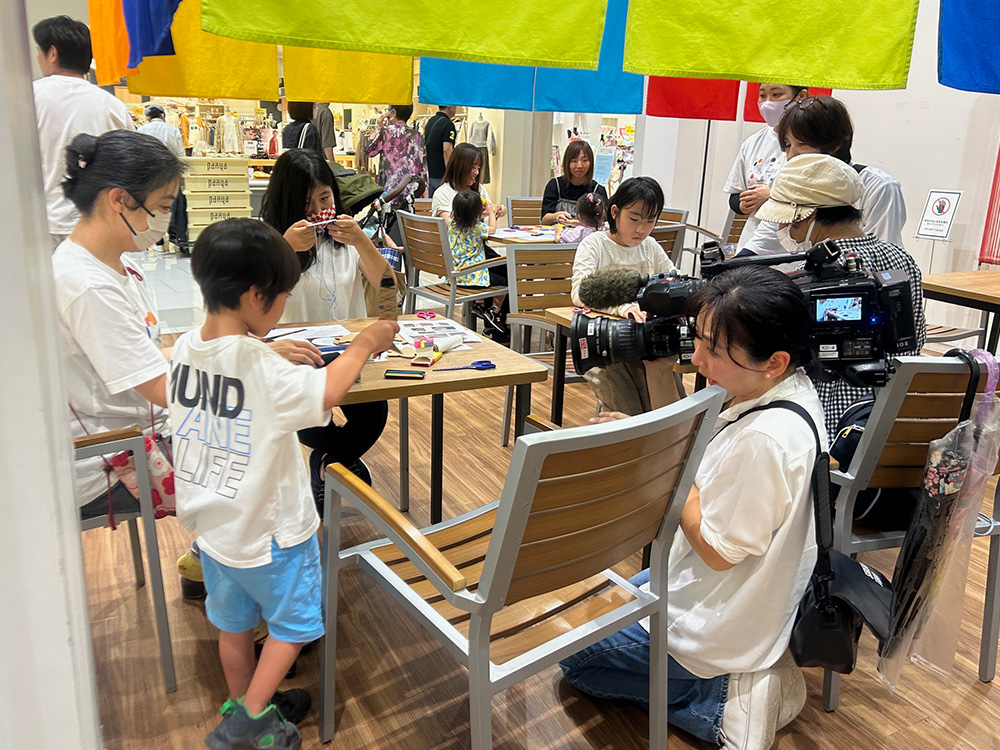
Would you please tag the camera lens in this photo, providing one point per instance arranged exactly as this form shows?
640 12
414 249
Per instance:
597 342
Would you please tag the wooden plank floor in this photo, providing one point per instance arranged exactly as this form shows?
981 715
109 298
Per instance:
396 688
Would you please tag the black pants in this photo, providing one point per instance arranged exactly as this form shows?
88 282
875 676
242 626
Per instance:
348 442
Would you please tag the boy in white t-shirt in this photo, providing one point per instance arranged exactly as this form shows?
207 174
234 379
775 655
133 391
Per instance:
241 483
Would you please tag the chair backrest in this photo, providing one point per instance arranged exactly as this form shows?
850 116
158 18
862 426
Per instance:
671 238
921 403
524 212
425 241
422 206
581 500
539 276
734 226
673 216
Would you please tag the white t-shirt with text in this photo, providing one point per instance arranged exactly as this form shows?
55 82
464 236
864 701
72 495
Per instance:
235 406
110 344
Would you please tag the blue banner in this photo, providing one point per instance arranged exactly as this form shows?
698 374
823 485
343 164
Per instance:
968 52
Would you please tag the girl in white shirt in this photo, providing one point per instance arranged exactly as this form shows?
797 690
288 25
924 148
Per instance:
632 214
745 548
334 257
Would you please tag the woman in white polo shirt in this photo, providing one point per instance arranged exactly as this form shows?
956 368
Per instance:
745 549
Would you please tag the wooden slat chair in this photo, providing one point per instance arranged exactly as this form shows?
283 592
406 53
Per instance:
425 242
109 443
671 238
921 403
422 206
673 216
524 212
734 226
939 334
513 587
538 277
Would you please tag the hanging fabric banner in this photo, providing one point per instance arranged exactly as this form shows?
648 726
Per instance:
472 84
208 66
692 98
851 44
148 23
109 40
607 90
496 31
968 54
321 75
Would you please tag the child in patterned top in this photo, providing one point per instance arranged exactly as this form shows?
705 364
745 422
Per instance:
590 214
470 225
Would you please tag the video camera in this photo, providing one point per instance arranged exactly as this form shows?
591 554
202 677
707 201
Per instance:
858 318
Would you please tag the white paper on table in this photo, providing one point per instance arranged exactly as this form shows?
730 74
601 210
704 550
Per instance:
524 234
435 328
307 333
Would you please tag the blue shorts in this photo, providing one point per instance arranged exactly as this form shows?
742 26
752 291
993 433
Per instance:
286 593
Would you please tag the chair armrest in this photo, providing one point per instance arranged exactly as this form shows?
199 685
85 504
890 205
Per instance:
540 423
488 263
411 541
106 437
834 464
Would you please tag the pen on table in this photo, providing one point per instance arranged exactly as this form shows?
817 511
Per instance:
283 333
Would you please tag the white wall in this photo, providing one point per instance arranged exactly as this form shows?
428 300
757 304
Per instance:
36 10
927 136
46 666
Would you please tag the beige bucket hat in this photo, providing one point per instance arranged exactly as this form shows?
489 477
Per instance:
808 182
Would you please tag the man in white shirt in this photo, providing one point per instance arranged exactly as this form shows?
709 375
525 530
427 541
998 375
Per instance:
158 127
66 104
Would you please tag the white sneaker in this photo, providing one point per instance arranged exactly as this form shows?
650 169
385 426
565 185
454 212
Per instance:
793 689
750 717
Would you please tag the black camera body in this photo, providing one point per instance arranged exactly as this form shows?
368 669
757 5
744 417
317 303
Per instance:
858 318
667 332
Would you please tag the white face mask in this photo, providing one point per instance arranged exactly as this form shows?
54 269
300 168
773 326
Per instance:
772 111
156 228
789 244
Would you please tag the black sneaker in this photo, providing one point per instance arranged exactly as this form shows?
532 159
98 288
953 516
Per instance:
361 471
293 705
492 318
239 731
316 467
500 337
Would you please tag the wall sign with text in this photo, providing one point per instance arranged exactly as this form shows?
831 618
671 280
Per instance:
938 215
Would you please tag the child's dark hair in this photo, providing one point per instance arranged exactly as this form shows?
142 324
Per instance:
759 309
135 162
71 40
830 215
643 190
300 111
233 255
296 172
403 111
466 209
824 124
590 210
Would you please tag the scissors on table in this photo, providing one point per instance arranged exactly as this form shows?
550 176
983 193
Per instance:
479 364
583 310
426 314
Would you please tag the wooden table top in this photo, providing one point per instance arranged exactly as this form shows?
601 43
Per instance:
981 286
563 316
546 238
511 369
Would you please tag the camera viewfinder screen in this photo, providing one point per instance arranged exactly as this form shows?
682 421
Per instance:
831 309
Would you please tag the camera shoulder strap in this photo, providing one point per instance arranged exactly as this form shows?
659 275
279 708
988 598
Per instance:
820 484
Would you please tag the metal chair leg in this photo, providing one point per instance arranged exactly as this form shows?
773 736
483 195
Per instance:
136 547
831 690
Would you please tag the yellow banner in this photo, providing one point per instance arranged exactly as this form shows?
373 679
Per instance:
207 65
847 44
320 75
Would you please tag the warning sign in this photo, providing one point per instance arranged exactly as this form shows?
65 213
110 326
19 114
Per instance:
939 213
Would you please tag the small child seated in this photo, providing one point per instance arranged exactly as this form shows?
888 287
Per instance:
590 216
470 225
242 486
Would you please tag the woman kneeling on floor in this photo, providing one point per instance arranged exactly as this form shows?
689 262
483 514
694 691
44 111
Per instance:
745 548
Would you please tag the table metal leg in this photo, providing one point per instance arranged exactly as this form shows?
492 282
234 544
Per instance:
404 455
522 407
437 455
994 333
558 376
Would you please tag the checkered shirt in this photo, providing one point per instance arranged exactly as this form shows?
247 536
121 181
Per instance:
876 255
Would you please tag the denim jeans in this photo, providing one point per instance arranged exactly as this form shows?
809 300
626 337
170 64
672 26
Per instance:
618 667
433 183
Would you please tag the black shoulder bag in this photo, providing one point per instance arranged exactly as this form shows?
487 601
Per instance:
843 593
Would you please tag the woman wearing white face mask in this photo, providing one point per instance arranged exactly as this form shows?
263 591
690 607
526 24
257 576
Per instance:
760 157
123 183
813 198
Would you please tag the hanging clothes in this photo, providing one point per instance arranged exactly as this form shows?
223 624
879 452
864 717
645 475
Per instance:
481 136
185 128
